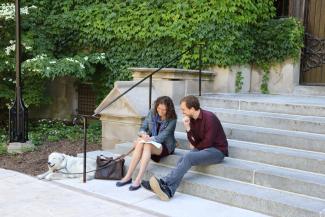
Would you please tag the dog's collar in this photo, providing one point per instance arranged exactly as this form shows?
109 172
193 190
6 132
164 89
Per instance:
65 167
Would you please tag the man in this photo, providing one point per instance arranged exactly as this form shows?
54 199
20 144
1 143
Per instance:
208 144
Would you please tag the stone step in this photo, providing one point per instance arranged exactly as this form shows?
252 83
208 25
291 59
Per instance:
244 195
297 105
289 122
314 91
271 120
247 196
268 154
284 138
279 156
296 181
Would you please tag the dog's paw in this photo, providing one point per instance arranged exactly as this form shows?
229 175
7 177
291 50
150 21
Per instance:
48 178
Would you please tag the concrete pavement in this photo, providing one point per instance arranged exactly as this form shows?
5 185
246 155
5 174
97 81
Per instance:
23 195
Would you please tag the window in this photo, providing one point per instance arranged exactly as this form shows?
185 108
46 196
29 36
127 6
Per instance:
86 99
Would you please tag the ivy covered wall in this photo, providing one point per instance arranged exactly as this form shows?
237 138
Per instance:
97 40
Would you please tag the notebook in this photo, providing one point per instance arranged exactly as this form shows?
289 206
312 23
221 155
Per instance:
156 144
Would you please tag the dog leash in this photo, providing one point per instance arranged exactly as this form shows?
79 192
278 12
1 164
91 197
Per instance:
116 159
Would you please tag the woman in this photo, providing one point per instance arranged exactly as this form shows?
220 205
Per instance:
159 126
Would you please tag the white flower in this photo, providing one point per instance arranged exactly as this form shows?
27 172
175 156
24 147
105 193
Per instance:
38 57
86 58
10 48
52 62
24 10
8 11
72 60
81 65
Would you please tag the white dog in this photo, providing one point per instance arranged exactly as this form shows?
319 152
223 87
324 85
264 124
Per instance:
65 166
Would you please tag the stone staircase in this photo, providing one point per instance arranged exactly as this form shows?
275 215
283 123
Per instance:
277 155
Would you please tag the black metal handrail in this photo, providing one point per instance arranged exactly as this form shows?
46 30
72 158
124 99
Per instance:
95 115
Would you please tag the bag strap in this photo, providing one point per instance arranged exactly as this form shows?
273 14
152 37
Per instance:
122 156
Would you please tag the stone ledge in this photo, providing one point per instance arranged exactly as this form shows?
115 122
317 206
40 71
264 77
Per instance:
171 73
19 147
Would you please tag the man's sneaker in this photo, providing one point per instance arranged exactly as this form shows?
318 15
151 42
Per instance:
146 185
160 188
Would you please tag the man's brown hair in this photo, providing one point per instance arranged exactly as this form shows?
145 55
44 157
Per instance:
191 102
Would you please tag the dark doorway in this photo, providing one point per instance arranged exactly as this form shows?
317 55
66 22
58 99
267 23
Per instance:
282 8
313 57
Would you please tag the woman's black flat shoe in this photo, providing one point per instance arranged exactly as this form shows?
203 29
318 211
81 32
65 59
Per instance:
134 188
120 184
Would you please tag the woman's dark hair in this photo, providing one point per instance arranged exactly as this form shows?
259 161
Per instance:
191 102
168 102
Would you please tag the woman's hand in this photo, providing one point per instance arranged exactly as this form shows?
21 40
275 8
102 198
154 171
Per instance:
146 138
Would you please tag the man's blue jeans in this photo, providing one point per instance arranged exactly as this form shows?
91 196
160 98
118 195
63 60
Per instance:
193 158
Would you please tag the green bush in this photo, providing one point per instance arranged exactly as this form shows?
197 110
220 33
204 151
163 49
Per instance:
3 141
276 40
54 131
3 149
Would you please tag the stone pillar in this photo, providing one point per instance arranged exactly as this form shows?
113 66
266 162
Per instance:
122 120
119 129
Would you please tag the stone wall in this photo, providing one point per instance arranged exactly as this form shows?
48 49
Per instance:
283 78
64 100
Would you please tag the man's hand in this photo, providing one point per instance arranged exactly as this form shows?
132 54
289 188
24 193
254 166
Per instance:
191 146
186 122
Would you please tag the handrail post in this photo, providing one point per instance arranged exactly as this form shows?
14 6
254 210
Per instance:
200 69
150 91
85 148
